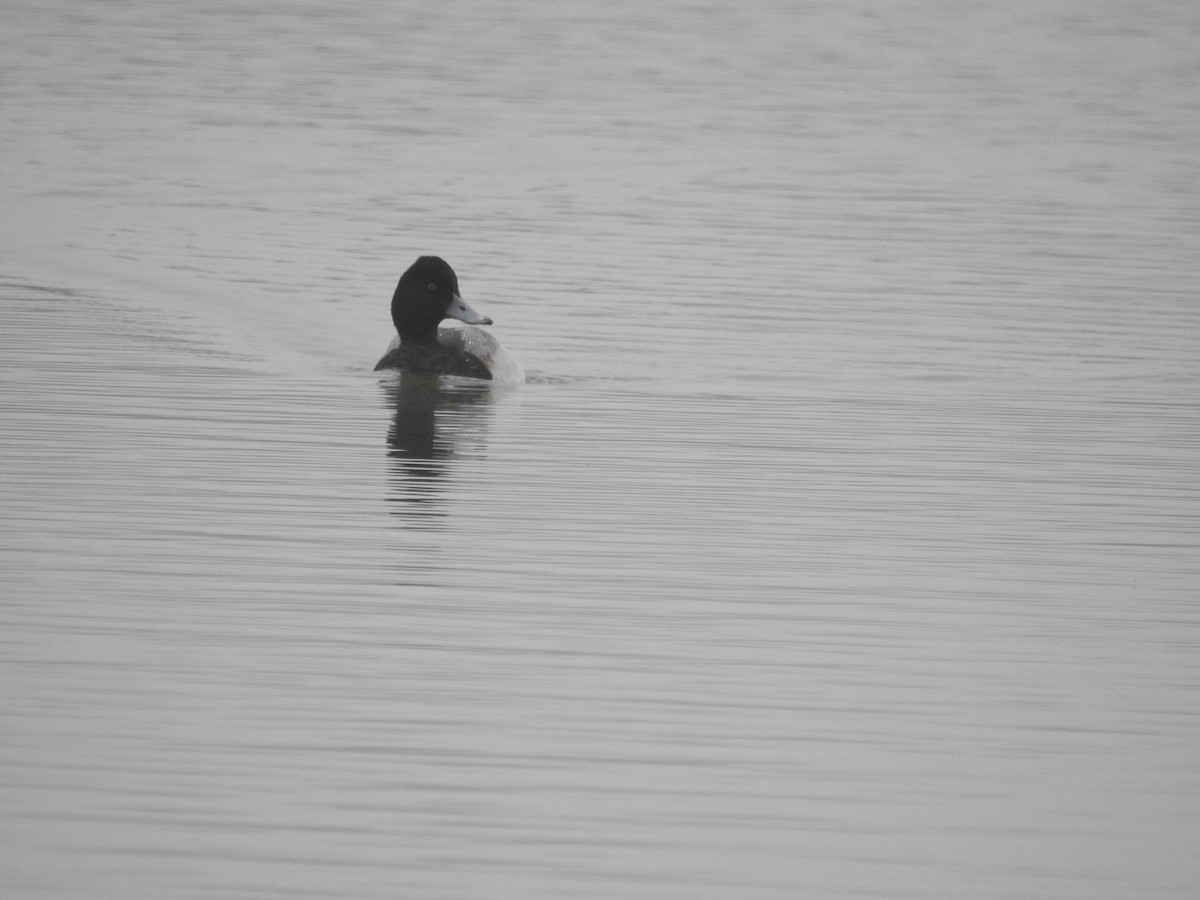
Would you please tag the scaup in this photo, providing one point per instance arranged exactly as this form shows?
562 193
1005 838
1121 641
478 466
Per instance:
427 294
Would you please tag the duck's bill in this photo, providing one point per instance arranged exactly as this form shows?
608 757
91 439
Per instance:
459 310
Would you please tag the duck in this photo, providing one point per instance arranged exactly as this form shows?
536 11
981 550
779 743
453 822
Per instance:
426 295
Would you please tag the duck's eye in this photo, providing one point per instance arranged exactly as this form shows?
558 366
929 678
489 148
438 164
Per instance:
432 286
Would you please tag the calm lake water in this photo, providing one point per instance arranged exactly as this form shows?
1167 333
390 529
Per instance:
844 541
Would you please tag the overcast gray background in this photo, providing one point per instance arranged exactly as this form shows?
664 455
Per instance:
843 542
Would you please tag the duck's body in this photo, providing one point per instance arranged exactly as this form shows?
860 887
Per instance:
427 294
447 355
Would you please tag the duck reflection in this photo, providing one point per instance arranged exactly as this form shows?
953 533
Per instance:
434 420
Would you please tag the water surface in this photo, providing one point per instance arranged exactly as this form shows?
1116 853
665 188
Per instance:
842 543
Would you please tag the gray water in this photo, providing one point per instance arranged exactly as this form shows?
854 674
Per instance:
844 541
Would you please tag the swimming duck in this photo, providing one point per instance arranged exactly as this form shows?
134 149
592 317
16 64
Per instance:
427 294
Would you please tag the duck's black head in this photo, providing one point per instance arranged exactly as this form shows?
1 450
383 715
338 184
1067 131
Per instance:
427 294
